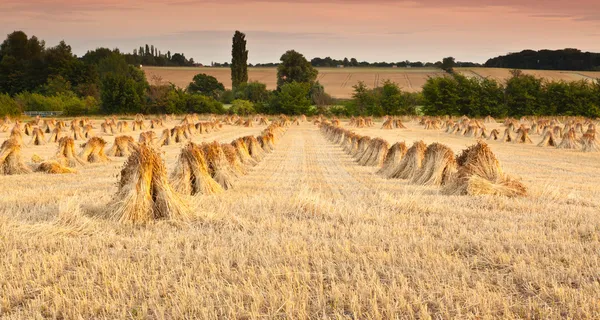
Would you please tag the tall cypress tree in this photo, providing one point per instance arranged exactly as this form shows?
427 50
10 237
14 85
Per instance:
239 60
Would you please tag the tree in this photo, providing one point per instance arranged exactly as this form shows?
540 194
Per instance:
363 97
206 85
57 85
319 97
242 107
239 60
121 94
448 64
22 66
179 59
390 98
8 106
253 91
295 68
292 98
523 95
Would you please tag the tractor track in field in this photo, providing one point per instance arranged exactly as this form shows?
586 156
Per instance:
410 86
348 78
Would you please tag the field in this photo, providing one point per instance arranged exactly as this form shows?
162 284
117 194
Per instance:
339 81
308 233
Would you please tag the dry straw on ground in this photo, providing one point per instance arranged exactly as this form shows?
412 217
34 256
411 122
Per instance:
53 167
392 159
218 165
243 152
122 147
191 176
375 153
411 163
479 173
148 137
37 137
589 143
234 161
144 193
66 154
10 158
437 167
165 138
254 148
523 136
93 151
569 140
548 140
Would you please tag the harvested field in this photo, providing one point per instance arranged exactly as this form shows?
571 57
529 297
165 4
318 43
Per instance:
500 74
339 81
308 233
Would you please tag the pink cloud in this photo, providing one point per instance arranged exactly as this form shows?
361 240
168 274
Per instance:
389 30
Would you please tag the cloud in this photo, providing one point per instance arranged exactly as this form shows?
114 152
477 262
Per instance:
63 7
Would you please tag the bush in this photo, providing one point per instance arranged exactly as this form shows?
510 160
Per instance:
242 107
8 106
121 94
74 106
202 104
292 99
523 95
37 102
206 85
227 96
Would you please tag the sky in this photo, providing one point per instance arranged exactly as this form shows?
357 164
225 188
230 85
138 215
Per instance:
376 30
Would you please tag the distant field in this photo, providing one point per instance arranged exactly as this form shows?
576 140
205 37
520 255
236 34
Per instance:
339 81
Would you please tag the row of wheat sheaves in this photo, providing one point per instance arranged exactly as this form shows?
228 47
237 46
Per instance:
573 133
145 191
475 171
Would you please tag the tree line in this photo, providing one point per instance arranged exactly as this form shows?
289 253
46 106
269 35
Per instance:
566 59
520 95
352 62
34 77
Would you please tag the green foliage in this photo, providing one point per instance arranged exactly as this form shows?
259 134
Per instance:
57 85
179 101
74 106
70 104
363 97
566 59
227 96
448 64
386 100
239 60
22 66
121 94
206 85
38 102
522 95
295 68
253 91
8 106
292 98
319 97
242 107
203 104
